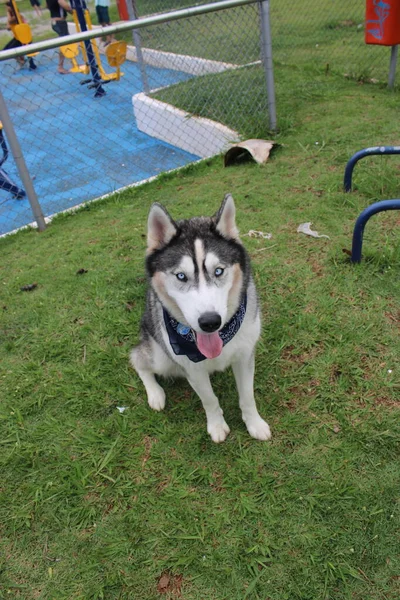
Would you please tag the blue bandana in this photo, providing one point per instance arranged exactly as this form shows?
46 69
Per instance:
182 338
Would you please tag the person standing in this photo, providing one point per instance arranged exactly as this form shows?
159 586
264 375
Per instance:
36 5
103 17
58 14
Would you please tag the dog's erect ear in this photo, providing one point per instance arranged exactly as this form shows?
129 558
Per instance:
160 228
226 224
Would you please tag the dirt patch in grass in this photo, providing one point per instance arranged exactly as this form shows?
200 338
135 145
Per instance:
170 585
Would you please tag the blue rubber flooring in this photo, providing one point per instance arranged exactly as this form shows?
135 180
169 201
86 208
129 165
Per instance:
78 147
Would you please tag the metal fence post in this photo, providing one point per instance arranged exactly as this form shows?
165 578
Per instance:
133 15
21 165
266 54
392 66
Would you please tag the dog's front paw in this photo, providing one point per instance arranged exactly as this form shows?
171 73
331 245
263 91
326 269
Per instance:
259 429
156 399
218 431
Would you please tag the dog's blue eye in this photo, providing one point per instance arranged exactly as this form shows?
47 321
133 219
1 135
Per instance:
181 276
218 272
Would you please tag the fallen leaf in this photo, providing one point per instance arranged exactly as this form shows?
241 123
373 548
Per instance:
170 584
163 583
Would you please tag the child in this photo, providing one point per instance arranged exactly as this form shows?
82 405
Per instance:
103 16
11 22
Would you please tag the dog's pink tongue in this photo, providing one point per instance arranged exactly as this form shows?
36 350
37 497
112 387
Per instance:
209 344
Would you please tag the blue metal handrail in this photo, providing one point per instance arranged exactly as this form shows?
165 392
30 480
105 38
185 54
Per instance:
377 150
362 220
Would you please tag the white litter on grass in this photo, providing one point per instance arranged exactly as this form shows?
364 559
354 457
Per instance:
122 408
259 150
306 229
390 371
258 234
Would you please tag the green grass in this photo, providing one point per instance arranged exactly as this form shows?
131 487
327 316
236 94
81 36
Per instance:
236 98
96 504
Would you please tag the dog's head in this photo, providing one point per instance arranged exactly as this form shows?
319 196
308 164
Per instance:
198 268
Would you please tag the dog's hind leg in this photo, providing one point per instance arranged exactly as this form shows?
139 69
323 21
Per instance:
142 363
243 370
216 424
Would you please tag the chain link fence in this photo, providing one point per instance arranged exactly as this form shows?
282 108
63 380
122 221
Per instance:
189 88
172 105
319 35
327 36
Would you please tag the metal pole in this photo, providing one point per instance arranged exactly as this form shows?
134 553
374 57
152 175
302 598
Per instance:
21 165
392 66
266 55
137 42
374 150
80 6
362 219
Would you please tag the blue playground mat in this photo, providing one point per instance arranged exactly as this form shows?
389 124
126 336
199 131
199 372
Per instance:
78 147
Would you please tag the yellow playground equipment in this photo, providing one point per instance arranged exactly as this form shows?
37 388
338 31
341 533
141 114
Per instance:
71 51
115 53
116 56
21 31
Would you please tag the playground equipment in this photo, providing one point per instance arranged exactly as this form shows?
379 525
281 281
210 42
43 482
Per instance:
22 32
71 51
5 182
115 52
116 56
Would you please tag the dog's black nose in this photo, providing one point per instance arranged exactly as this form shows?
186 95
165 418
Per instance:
210 321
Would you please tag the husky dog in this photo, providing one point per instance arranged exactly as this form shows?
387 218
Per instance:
202 313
